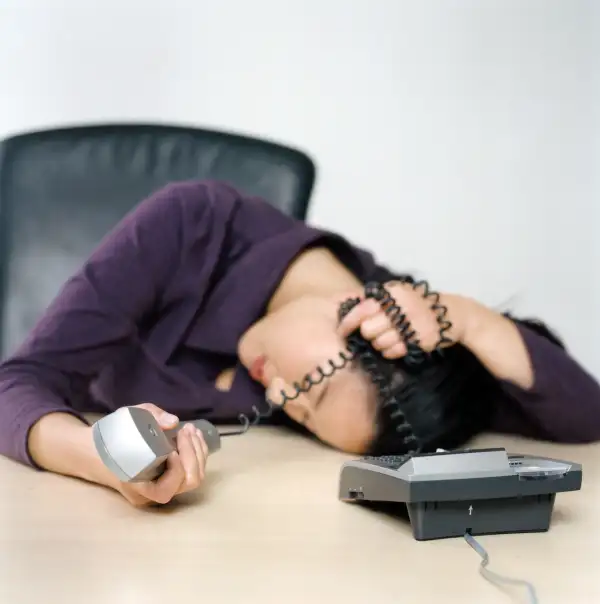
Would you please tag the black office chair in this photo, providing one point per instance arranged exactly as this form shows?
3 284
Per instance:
62 190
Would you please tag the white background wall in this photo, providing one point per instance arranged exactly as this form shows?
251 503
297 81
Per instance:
457 138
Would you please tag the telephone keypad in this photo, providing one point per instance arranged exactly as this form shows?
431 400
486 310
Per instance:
388 461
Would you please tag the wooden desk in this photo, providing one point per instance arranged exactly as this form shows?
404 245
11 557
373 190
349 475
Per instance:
269 528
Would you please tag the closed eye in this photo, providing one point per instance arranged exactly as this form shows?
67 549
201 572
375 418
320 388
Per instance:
321 395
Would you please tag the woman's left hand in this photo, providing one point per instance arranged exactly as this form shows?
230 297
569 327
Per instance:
376 327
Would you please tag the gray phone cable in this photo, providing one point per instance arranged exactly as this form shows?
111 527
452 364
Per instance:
493 577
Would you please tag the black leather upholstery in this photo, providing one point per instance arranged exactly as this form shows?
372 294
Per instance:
62 190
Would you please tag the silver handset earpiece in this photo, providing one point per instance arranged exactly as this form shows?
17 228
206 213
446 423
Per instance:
133 446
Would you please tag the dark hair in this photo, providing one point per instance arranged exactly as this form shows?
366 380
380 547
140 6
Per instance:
442 403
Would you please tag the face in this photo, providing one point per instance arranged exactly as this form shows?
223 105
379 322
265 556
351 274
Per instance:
293 341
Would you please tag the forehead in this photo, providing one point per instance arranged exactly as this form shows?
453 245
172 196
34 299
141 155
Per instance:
314 320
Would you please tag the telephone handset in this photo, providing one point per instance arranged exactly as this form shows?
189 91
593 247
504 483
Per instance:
133 446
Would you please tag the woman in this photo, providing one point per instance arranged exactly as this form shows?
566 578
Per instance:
201 299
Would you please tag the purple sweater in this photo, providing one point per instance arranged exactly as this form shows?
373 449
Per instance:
156 312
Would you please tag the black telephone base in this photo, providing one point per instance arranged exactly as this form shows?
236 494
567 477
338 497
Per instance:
445 519
450 493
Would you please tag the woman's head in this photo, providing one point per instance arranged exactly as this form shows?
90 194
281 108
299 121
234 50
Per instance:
360 402
368 405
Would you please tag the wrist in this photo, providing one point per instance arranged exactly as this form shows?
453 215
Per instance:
495 340
469 318
89 465
62 443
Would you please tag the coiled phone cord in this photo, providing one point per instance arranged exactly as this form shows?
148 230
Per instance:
358 347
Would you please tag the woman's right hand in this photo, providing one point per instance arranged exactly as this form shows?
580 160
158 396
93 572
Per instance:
185 466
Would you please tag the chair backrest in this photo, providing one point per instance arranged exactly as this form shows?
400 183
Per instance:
62 190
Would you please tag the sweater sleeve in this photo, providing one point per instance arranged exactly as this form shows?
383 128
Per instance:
96 313
563 405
